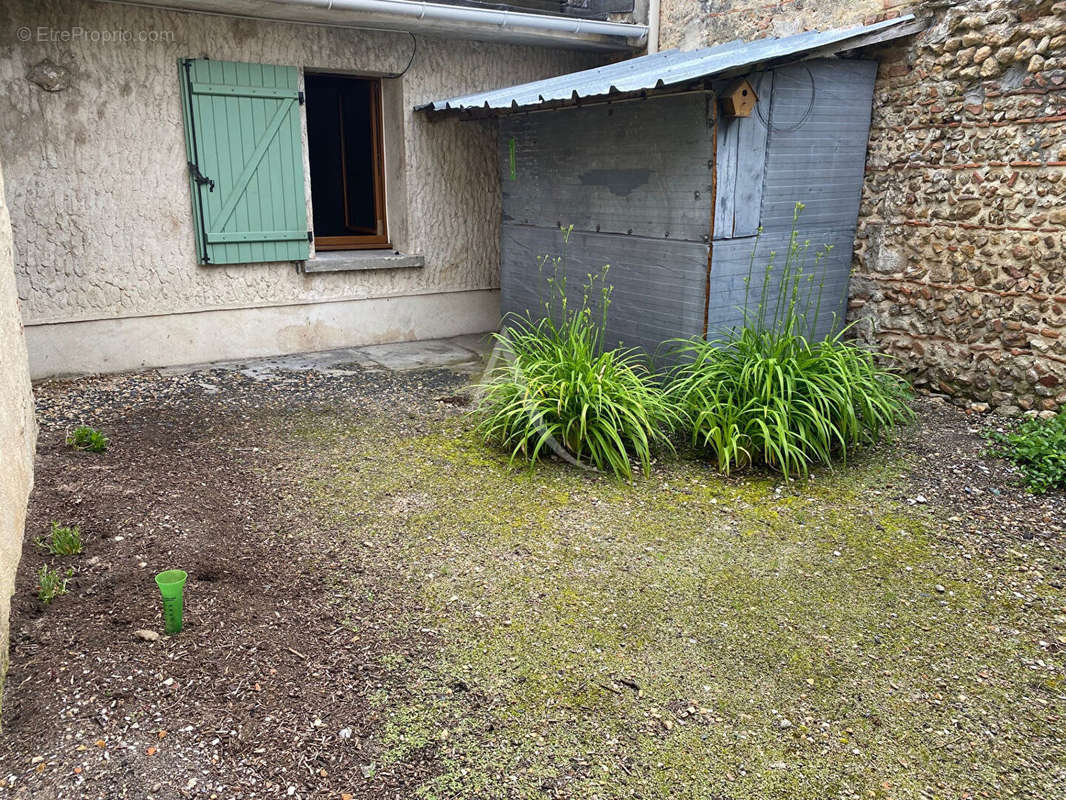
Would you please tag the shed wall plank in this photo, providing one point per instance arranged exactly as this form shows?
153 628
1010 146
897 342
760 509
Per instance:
641 168
724 206
742 166
821 164
658 284
751 160
733 264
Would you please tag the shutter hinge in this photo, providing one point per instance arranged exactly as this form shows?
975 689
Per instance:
200 178
300 97
310 236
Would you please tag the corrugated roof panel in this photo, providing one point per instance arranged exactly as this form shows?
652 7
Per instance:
661 70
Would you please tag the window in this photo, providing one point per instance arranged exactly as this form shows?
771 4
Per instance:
245 156
347 162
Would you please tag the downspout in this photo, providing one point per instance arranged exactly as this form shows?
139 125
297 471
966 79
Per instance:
653 26
406 15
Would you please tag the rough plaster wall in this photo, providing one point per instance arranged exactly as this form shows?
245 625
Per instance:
96 172
960 266
18 432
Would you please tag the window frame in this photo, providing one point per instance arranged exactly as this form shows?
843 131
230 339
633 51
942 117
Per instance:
375 241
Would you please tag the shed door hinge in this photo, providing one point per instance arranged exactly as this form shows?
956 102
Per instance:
300 97
200 178
310 236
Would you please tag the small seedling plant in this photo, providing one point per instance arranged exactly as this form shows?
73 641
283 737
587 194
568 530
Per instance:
87 439
63 540
1038 448
51 583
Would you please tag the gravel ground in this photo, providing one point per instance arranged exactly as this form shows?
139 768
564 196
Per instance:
271 689
982 498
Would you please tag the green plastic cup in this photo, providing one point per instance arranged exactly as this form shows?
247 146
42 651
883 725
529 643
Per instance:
171 585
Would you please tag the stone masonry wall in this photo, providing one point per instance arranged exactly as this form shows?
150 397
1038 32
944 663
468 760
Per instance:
960 268
960 264
701 23
18 431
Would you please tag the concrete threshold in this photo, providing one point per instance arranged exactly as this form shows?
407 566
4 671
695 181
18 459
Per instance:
464 353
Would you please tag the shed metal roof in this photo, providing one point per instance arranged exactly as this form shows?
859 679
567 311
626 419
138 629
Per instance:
674 69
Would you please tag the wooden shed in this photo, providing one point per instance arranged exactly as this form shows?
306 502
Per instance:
662 177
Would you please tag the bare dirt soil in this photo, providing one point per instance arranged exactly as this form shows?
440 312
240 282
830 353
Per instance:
264 692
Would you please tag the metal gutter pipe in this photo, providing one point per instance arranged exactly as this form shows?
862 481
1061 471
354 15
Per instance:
653 25
430 18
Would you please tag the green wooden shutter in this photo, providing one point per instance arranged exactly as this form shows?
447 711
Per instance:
246 172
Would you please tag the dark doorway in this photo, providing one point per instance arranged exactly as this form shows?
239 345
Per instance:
347 162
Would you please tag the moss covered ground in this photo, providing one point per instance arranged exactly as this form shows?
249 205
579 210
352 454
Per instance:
687 636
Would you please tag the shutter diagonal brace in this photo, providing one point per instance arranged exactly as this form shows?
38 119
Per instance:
253 163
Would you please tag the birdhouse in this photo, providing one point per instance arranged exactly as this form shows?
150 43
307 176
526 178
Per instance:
739 99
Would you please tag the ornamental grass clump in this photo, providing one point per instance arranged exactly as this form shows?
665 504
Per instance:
773 393
558 390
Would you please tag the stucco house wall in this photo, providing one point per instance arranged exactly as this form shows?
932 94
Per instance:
100 203
960 263
18 432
